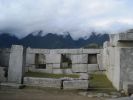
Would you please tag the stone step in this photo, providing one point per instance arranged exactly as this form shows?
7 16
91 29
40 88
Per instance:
11 85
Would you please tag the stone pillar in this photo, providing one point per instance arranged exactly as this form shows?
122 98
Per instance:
15 70
99 61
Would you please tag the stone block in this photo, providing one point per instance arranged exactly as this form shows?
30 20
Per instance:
15 70
53 51
40 51
75 84
11 85
93 67
79 68
49 68
69 51
99 61
57 71
79 59
125 36
91 51
56 66
30 59
84 76
42 82
53 58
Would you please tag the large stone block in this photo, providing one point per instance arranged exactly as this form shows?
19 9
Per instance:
75 84
30 59
91 51
39 51
93 67
56 66
79 68
84 76
57 71
42 82
53 58
53 51
125 36
99 61
126 65
49 68
15 70
69 51
79 59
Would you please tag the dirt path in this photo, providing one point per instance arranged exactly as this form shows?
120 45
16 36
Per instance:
39 94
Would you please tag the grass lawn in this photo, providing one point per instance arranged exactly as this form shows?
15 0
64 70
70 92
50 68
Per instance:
48 75
100 82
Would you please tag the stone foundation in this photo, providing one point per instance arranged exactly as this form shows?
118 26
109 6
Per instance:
62 83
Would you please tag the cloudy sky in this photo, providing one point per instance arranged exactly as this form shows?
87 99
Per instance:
79 17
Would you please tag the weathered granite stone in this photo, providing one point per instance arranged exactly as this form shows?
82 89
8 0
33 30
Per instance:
75 84
57 71
11 85
93 67
53 58
84 76
42 82
91 51
99 61
69 51
30 59
76 68
56 66
41 51
15 70
79 59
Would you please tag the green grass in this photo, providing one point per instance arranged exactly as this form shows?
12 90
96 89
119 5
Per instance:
48 75
100 81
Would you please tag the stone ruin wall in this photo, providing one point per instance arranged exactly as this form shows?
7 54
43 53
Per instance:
118 60
82 60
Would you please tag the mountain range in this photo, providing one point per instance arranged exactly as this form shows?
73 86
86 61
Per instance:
51 41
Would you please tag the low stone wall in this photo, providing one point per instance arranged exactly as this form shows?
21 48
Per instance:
75 84
42 82
62 83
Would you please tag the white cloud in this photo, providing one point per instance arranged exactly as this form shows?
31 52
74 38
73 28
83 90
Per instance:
79 17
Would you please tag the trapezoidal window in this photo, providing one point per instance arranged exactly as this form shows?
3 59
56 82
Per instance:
92 58
40 61
66 61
